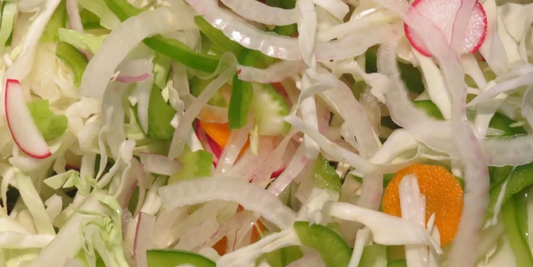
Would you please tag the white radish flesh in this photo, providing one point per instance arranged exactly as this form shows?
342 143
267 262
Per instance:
442 14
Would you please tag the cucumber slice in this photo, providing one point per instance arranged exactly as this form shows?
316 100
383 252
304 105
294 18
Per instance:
171 258
269 108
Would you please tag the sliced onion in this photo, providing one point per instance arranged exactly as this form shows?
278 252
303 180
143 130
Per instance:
226 69
134 70
250 196
260 12
501 152
248 36
468 146
276 72
159 164
343 155
354 44
194 237
119 43
275 162
295 167
435 134
518 77
337 8
231 151
309 260
527 106
144 235
384 227
73 12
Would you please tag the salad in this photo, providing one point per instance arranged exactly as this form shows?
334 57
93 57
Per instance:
154 133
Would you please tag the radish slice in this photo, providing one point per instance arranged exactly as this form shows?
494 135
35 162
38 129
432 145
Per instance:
442 14
21 124
144 235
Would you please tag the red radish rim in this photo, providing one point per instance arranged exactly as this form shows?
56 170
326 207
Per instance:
422 51
9 124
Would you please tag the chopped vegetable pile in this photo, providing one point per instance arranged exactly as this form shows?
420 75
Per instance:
270 133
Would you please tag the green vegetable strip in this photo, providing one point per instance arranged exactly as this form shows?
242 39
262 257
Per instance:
195 164
397 263
9 12
518 244
430 108
50 125
242 93
58 19
89 20
374 256
74 59
325 175
160 114
239 104
284 256
171 258
218 38
171 48
520 202
333 249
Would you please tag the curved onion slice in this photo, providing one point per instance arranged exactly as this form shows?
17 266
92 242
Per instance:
144 235
245 34
250 196
119 43
384 227
159 164
21 124
276 72
257 11
73 12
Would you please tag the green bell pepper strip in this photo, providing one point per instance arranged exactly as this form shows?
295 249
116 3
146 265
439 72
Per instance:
50 125
58 20
517 180
239 104
397 263
171 48
430 108
518 244
374 256
242 93
325 175
217 37
160 114
283 256
333 249
9 12
89 20
74 59
520 202
171 258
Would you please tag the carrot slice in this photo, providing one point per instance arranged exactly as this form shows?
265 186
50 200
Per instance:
443 192
220 133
